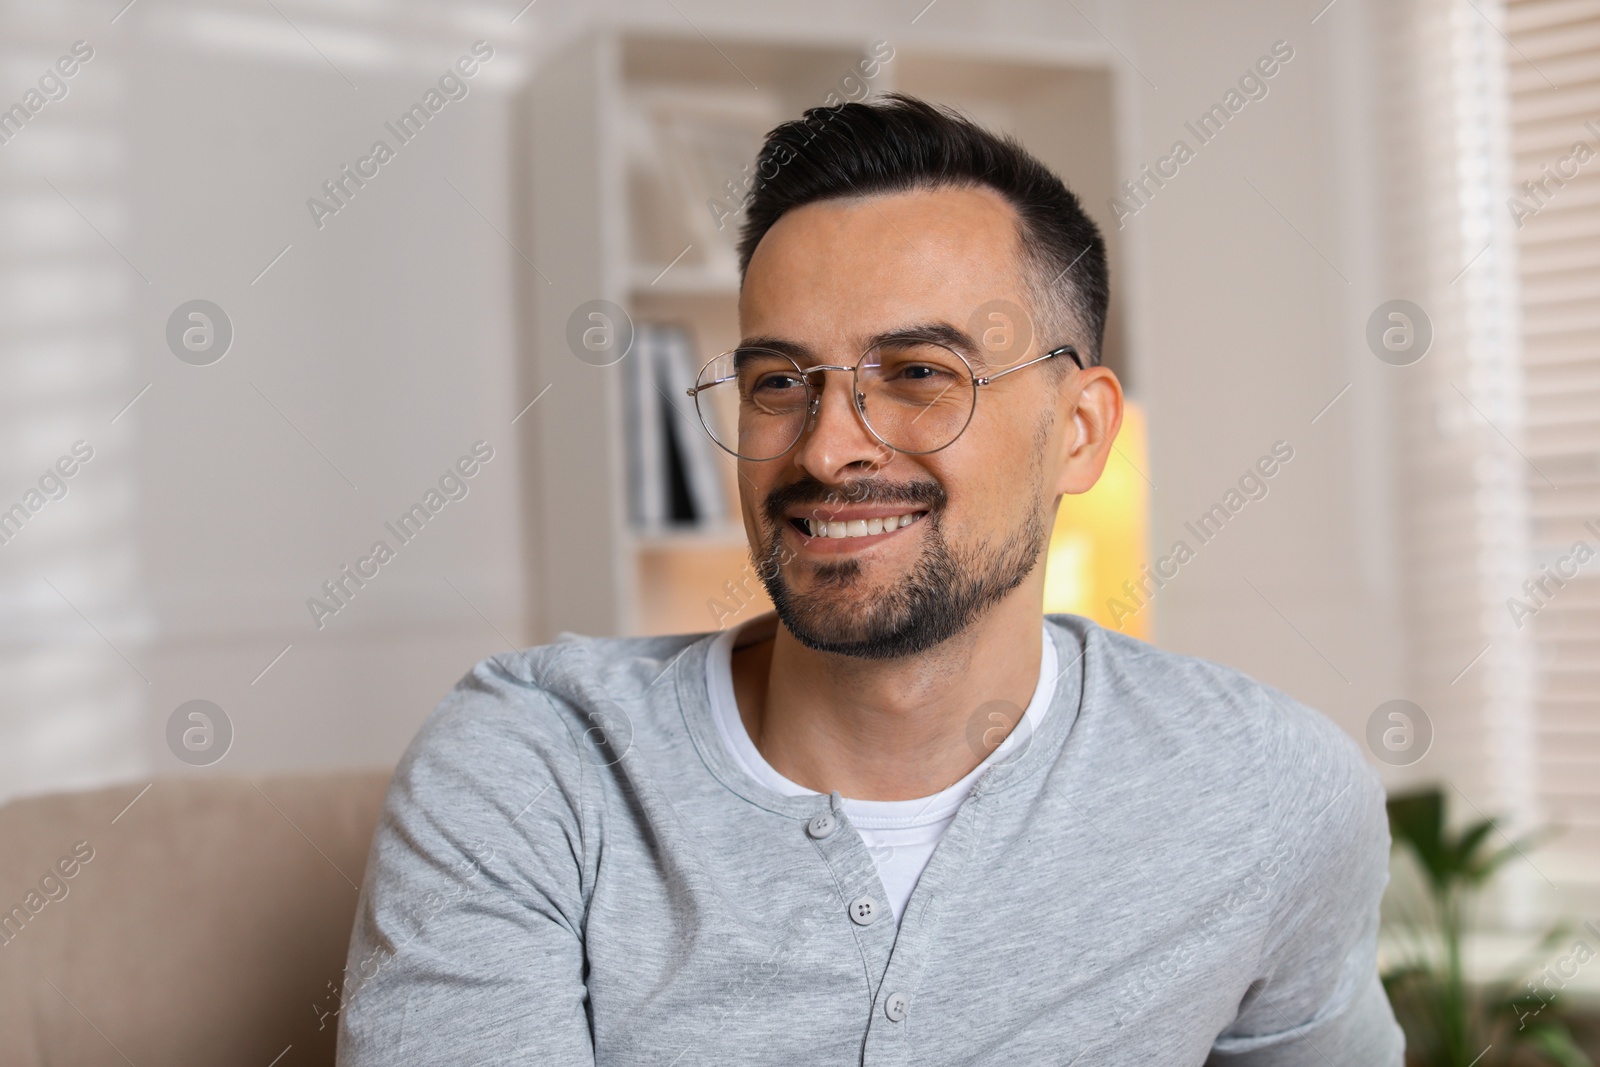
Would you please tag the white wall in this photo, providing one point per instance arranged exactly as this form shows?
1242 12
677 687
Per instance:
1256 270
371 356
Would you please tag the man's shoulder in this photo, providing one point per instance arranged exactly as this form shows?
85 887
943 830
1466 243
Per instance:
1193 714
562 704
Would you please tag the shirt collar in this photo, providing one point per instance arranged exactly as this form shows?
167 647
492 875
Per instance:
1072 635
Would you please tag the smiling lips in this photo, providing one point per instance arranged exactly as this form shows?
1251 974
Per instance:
855 527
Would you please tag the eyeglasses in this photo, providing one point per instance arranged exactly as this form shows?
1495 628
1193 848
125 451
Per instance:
912 395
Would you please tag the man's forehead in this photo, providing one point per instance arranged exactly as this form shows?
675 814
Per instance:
850 269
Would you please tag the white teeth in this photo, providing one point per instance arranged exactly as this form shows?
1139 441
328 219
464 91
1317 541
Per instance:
860 527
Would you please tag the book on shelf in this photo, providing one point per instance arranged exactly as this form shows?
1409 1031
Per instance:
673 480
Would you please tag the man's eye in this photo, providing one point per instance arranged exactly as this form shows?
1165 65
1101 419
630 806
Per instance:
778 383
919 372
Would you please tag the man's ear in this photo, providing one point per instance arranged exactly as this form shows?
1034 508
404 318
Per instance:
1093 398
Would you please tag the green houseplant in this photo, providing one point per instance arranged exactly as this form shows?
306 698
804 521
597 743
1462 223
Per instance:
1448 1020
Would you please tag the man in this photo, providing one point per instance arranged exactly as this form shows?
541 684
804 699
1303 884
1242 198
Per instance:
906 819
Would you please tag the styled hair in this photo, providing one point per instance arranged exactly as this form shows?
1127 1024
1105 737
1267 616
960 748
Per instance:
900 143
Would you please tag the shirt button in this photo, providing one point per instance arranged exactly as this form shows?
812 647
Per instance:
895 1006
863 910
822 825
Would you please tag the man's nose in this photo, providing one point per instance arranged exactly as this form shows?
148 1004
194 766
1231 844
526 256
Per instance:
835 440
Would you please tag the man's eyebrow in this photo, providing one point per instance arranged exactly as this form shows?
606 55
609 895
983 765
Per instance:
793 349
942 333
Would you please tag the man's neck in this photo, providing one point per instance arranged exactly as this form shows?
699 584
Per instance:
890 729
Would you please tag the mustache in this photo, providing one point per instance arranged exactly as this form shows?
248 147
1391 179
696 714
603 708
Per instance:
809 491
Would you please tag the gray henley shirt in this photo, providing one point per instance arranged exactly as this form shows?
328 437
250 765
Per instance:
1182 867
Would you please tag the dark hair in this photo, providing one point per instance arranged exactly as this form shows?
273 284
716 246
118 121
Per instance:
903 143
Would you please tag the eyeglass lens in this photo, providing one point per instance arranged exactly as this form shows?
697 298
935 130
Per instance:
914 396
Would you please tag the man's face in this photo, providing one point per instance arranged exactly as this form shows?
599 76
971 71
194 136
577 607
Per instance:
827 278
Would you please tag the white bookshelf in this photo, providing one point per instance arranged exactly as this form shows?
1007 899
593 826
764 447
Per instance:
595 232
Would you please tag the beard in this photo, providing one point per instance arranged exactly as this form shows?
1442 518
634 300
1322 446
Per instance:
949 587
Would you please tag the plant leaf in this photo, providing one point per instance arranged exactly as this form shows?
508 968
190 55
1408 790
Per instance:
1554 1041
1471 840
1518 848
1416 820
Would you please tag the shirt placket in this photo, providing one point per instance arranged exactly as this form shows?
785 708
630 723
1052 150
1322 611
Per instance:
892 958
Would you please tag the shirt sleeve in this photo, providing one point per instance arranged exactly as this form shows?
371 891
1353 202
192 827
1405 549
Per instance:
1317 999
467 946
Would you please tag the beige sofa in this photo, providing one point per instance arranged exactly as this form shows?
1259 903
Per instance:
200 921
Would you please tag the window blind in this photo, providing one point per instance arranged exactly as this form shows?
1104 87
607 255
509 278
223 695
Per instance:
1443 117
1553 81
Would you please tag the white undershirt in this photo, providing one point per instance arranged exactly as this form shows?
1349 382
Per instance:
900 834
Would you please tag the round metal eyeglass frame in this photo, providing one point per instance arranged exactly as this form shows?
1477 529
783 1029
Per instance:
814 397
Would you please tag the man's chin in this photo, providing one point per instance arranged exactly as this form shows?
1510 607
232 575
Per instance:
846 637
871 607
852 621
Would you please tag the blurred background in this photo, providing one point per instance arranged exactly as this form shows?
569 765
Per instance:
241 344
